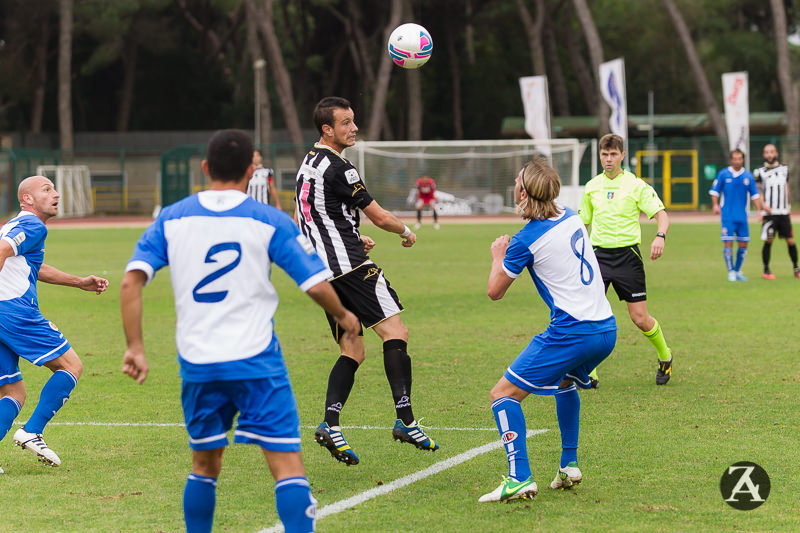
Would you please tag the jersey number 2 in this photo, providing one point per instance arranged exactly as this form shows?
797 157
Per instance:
213 297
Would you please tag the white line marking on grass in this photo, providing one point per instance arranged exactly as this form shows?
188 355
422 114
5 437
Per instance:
347 503
177 425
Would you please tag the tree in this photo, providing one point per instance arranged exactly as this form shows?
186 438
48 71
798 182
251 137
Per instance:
283 81
596 55
533 29
65 12
699 74
790 90
378 108
264 128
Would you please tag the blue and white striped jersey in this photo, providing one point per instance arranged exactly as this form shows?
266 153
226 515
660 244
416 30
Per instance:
560 259
26 234
220 246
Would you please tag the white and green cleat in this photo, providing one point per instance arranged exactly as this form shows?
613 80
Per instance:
567 477
512 490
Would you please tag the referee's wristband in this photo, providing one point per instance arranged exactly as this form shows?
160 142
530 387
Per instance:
662 235
406 232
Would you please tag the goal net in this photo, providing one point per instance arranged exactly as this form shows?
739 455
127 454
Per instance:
472 177
74 184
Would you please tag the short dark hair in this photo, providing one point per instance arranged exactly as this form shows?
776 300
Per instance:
611 141
229 154
323 112
734 151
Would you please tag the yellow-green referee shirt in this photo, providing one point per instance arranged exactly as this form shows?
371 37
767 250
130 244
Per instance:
612 206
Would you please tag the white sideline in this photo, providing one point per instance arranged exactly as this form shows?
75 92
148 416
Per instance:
155 424
435 468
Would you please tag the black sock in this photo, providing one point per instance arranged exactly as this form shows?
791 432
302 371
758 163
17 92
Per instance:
435 216
397 364
419 216
765 253
340 383
793 254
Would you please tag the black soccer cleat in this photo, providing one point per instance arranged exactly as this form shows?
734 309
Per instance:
594 383
664 372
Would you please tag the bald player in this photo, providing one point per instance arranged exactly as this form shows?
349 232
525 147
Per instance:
24 332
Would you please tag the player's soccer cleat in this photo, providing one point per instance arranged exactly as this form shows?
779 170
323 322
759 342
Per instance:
740 277
768 275
417 225
594 383
413 434
567 477
2 471
35 443
797 272
334 440
512 490
436 225
731 275
664 372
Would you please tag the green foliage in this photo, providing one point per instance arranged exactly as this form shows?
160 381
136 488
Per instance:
651 456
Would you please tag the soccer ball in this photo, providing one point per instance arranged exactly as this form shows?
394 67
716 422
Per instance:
410 45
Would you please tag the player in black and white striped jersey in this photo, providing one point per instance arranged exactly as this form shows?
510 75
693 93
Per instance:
773 182
262 185
329 194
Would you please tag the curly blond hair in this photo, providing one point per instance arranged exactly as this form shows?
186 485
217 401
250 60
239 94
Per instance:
541 185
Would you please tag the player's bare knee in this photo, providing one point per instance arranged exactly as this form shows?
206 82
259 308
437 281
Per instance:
68 361
15 390
207 462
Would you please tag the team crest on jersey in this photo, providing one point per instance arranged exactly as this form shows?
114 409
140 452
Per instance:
351 176
305 244
610 195
746 182
509 436
52 326
372 272
357 187
19 238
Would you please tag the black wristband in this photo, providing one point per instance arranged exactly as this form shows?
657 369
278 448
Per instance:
662 235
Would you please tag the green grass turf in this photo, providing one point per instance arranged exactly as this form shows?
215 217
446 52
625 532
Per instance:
652 457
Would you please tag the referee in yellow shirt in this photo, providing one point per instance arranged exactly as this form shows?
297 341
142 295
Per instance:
610 208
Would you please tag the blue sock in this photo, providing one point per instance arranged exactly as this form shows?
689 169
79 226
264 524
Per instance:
568 410
727 253
297 508
54 395
9 409
741 253
511 423
199 499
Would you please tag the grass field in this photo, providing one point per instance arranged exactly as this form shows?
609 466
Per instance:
652 457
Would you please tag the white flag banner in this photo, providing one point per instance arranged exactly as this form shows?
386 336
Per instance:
737 112
612 87
537 110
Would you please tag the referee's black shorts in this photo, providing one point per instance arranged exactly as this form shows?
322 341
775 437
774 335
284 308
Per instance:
780 225
367 293
624 269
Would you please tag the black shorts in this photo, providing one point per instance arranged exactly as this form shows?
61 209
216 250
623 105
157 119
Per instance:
780 225
624 269
366 293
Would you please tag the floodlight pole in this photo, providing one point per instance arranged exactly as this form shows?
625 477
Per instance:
258 67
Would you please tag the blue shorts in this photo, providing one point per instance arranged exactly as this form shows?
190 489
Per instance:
267 413
735 231
25 333
551 358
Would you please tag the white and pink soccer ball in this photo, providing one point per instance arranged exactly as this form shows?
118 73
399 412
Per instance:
410 46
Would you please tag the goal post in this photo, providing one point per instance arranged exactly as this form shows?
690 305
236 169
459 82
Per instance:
74 184
472 177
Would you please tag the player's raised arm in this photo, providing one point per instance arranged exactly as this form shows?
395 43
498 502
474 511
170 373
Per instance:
388 222
499 281
134 362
